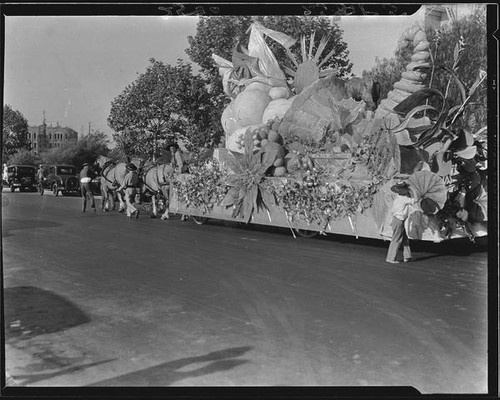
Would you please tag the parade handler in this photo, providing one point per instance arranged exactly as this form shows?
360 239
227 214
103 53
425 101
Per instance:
129 187
400 211
85 179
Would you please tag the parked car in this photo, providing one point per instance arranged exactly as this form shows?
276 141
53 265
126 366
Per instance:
62 179
22 177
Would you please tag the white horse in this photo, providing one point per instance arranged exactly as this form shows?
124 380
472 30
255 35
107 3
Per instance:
112 176
156 182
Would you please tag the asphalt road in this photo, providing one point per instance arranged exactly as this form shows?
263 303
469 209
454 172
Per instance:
100 300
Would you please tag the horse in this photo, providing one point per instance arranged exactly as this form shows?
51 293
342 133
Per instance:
155 181
112 176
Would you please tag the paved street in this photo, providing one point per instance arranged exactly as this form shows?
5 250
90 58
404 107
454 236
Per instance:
100 300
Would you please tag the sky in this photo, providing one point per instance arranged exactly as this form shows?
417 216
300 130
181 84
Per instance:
72 67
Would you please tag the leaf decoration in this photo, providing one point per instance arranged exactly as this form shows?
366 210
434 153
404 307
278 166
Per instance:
231 197
415 99
268 198
249 147
345 111
428 185
410 115
268 158
481 77
229 158
460 84
247 192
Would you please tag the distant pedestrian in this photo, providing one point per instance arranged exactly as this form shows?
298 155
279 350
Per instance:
400 212
86 176
129 187
41 177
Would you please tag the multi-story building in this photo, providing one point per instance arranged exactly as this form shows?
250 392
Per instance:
45 137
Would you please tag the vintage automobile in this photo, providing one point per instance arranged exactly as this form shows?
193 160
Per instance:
62 179
22 177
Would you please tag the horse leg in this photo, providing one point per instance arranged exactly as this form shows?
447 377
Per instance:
122 202
104 199
154 211
165 190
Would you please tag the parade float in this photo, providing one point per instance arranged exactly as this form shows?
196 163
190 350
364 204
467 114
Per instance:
319 154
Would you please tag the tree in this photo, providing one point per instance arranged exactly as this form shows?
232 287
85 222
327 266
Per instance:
164 103
387 71
25 157
87 149
14 132
471 32
467 35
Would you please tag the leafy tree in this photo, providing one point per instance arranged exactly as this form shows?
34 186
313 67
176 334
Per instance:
14 132
470 31
87 149
387 71
163 103
25 157
467 35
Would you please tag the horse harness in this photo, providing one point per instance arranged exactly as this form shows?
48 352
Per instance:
106 165
164 183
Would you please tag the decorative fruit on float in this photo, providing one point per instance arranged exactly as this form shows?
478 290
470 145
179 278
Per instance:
312 112
249 106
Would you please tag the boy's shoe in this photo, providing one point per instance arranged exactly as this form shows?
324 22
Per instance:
409 259
392 261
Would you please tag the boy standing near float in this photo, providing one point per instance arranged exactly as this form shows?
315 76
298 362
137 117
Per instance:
399 214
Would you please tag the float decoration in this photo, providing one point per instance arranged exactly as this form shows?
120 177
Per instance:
429 190
247 192
321 159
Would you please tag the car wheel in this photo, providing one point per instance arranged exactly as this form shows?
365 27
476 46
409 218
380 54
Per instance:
55 189
305 233
199 220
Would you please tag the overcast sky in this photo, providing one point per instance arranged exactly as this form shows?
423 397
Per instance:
73 67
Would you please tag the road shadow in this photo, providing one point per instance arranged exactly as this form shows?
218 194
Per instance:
30 311
167 373
458 246
9 225
22 380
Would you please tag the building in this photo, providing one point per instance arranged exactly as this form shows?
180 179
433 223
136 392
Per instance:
45 137
437 15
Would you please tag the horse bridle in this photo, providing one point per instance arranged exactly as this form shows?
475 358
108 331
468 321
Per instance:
106 165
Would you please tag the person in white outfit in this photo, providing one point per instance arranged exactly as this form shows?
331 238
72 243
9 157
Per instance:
85 179
129 187
399 214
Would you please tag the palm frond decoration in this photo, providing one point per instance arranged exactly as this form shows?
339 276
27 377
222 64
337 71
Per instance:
247 191
307 70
